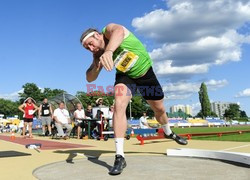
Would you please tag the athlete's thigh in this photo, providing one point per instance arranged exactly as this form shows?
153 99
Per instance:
125 87
122 95
149 86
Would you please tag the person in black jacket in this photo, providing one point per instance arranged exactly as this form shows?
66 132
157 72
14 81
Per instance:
46 115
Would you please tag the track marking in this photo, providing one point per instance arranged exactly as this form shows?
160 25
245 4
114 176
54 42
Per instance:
85 155
237 147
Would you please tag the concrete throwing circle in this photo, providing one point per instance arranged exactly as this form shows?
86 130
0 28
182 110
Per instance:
143 167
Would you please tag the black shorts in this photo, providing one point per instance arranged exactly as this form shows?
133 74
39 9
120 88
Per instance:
28 120
148 85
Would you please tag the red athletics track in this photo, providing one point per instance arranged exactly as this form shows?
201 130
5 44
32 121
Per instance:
46 145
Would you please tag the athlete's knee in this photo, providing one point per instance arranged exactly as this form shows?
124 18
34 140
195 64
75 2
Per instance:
120 104
159 109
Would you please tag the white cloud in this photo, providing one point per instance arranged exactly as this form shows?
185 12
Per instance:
244 93
183 90
196 107
15 95
166 68
214 85
188 20
195 35
12 96
177 96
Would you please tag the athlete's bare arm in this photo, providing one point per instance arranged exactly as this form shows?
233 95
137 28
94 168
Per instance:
94 69
21 108
115 33
35 108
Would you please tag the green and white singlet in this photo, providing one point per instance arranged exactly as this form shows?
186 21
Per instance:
131 57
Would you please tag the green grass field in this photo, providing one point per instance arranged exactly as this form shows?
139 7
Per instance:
245 137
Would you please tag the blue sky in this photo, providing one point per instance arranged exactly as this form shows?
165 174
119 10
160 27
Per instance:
190 42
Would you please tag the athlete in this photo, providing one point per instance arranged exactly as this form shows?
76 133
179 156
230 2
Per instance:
46 115
116 47
28 108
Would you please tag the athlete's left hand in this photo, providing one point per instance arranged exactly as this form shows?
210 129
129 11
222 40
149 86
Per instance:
106 60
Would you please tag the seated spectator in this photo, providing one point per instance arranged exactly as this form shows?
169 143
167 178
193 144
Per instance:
62 120
20 126
88 112
89 115
79 115
110 115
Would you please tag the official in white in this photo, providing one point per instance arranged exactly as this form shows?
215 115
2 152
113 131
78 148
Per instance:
143 121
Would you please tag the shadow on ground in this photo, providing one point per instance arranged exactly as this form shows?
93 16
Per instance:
93 155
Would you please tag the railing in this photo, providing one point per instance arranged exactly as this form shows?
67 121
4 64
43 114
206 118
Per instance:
160 135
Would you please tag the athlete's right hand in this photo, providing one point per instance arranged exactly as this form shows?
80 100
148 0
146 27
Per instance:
106 60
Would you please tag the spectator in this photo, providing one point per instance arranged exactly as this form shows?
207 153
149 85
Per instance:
20 126
100 116
110 115
89 115
99 102
143 121
46 115
28 108
79 115
88 112
62 120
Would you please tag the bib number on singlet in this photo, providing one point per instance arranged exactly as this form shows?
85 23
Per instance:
125 61
46 112
30 112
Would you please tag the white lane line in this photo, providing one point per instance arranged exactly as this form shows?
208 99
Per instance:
237 147
85 155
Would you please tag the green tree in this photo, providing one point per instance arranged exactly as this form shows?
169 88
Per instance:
85 99
199 114
179 114
204 100
233 111
213 114
243 114
9 108
138 104
50 93
30 90
90 98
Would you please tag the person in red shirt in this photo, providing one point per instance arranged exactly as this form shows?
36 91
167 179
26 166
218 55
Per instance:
28 108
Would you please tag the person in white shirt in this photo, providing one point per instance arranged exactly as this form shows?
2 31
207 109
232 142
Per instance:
110 115
62 120
79 115
143 121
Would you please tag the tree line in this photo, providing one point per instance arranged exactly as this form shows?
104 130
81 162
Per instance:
138 104
10 108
